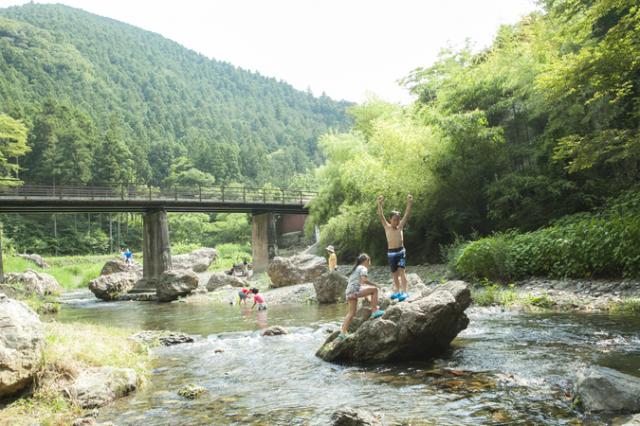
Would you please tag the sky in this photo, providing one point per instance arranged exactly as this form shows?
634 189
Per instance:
348 49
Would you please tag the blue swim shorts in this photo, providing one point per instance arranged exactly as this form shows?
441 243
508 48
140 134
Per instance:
397 258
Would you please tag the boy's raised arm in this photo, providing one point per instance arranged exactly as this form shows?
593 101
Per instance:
380 212
407 212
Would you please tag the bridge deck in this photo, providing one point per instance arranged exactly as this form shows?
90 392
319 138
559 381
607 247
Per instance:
50 199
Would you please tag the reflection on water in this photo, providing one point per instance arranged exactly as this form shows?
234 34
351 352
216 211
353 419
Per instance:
505 368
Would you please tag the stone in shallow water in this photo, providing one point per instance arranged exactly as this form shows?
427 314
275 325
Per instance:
191 391
330 287
352 417
96 387
113 286
416 329
164 338
176 283
604 389
275 330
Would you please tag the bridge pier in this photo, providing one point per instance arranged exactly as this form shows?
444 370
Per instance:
156 250
264 246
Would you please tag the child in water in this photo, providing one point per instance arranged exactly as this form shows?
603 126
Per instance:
355 290
258 300
243 293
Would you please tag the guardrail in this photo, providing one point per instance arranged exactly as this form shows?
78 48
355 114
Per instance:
222 194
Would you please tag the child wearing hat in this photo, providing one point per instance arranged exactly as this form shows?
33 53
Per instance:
333 259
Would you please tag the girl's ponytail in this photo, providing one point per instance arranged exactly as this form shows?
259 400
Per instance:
359 260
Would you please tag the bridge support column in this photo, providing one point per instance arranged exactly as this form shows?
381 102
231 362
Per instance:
156 250
264 244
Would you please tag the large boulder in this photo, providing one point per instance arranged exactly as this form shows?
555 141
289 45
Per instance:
32 282
115 266
36 259
418 328
113 286
352 417
302 268
96 387
330 287
220 279
604 389
197 261
176 283
21 343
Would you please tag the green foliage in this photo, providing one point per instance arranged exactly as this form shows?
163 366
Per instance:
603 243
140 102
230 254
492 294
13 144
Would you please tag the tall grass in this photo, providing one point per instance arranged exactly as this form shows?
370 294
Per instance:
72 272
231 253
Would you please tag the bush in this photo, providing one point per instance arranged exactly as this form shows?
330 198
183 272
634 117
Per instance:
605 243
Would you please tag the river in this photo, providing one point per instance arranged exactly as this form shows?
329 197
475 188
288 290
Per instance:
507 367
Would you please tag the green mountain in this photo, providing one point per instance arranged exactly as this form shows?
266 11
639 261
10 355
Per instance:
106 102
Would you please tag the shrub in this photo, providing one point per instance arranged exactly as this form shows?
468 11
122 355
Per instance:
604 243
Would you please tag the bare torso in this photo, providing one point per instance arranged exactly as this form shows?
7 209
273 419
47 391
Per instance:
394 237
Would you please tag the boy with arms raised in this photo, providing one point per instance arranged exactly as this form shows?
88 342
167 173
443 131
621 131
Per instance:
395 243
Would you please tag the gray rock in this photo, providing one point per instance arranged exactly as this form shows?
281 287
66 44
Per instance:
302 268
414 329
113 286
220 279
115 266
164 338
32 282
176 283
21 343
36 259
96 387
603 389
197 261
353 417
275 330
330 287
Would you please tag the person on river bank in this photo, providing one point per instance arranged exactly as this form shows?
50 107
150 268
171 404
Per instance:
333 259
258 300
359 286
396 252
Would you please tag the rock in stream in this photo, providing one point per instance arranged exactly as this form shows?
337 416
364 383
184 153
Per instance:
421 327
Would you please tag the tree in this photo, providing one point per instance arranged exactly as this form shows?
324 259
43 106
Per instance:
13 145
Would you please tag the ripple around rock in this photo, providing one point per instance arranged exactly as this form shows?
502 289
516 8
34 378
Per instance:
415 329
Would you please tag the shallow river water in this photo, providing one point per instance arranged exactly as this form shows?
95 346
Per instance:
506 368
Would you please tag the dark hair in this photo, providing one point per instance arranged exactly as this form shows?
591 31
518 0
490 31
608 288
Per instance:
395 213
254 290
359 261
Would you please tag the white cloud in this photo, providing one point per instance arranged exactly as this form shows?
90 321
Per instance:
342 47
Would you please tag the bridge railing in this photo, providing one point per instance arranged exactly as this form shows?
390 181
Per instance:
223 194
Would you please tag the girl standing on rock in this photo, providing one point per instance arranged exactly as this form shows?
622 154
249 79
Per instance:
355 290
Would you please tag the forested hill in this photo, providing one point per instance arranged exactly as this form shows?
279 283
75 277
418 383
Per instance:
106 102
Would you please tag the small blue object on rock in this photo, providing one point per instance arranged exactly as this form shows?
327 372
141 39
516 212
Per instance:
377 314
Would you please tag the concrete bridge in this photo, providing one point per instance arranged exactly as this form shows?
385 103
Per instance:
154 203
